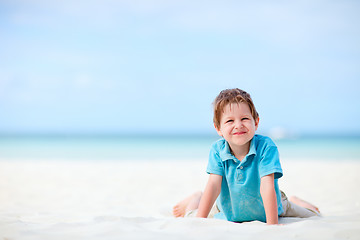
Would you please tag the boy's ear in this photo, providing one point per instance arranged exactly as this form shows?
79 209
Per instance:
257 123
218 130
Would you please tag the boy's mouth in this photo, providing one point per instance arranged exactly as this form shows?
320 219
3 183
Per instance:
239 133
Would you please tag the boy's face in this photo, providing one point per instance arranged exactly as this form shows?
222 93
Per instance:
237 124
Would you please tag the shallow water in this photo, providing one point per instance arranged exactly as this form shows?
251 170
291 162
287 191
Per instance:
161 147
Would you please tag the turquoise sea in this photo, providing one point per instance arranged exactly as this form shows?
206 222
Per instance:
161 147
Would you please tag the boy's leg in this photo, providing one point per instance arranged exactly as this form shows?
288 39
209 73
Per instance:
303 203
298 208
187 204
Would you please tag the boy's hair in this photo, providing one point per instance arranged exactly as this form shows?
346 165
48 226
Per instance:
229 96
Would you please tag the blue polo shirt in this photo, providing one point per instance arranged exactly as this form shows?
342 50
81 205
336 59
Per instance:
240 199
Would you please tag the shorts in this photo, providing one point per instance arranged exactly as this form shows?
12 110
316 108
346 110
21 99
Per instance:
293 210
290 210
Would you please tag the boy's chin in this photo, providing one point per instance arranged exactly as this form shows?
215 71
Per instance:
240 140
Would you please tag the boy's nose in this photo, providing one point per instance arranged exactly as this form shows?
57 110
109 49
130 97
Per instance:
238 124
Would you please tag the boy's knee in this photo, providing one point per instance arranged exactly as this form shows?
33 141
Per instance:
198 194
292 198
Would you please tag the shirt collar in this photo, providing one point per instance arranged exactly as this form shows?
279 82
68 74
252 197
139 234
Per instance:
225 153
252 150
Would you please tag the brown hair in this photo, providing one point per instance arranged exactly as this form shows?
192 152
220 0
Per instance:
229 96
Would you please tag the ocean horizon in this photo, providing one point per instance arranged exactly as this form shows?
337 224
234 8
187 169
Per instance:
148 147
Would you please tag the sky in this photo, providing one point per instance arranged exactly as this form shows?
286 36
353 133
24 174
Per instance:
155 66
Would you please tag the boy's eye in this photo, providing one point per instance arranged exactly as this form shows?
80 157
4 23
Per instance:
229 121
244 119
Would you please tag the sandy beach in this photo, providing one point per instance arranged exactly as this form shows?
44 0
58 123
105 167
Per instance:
63 199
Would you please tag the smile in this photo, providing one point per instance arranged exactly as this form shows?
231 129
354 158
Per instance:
239 133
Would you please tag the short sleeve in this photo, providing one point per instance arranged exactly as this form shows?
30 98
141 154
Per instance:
215 164
270 163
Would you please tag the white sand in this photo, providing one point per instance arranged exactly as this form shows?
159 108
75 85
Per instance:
133 199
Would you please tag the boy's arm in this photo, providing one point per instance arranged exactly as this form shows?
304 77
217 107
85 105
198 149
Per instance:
267 191
211 192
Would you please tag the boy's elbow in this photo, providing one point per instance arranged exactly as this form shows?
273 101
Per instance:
267 187
266 192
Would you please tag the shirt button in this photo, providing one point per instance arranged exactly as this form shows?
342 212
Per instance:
241 167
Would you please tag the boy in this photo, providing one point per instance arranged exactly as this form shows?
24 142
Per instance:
244 170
